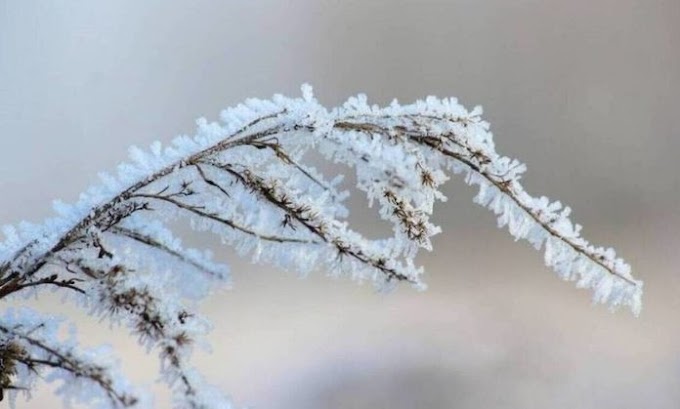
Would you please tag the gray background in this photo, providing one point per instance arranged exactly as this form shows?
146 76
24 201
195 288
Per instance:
584 91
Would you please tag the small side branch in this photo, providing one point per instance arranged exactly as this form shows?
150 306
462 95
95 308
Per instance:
151 242
214 217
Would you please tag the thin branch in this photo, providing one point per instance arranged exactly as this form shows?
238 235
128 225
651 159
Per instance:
52 280
509 188
285 158
212 216
151 242
211 182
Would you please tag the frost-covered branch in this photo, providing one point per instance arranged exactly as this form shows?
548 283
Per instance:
246 180
30 347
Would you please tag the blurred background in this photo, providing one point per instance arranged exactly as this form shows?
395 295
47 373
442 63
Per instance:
586 92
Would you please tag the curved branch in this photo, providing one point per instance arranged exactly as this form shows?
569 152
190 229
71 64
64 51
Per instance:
510 187
313 222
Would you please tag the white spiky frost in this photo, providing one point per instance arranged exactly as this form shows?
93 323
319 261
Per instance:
245 179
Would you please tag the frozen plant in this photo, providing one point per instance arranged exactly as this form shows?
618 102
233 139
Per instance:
245 179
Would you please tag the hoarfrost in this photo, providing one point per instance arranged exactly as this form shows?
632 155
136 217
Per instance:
245 180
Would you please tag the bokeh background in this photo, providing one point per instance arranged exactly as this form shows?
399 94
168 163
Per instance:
586 92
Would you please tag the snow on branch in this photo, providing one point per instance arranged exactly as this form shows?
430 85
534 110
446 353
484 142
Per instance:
245 179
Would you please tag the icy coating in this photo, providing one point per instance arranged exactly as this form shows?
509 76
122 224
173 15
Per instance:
245 180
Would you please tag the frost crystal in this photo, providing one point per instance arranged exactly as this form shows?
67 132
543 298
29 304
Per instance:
245 179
